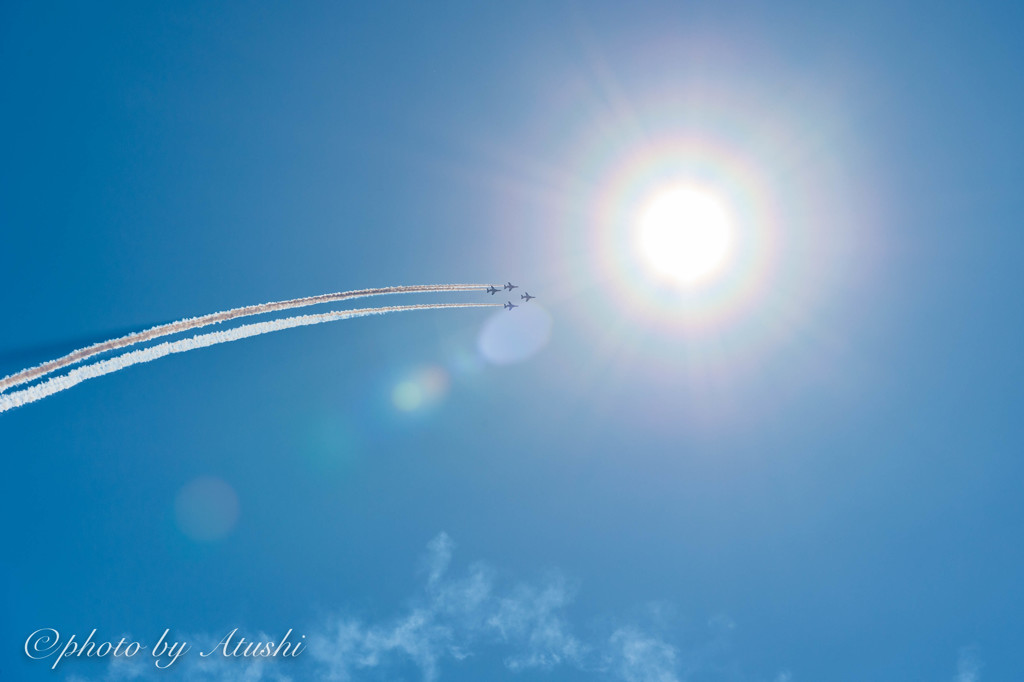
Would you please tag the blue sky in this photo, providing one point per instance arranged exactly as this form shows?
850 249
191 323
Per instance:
806 469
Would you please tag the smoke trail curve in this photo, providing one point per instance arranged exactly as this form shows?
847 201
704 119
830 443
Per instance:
47 388
190 323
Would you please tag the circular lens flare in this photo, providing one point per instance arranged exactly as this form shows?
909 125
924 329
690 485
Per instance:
206 509
685 234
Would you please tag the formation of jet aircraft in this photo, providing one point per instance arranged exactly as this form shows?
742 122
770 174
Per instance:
509 305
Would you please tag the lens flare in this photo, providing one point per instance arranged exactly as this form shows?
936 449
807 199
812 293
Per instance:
510 338
423 388
687 235
689 206
206 509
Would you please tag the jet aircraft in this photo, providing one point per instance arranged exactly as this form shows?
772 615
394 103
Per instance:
510 305
492 290
509 286
526 297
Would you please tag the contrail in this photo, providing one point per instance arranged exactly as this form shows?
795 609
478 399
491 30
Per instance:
31 394
190 323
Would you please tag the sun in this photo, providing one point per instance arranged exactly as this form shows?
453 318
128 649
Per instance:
685 234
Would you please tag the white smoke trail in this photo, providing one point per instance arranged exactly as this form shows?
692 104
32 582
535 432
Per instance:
188 324
31 394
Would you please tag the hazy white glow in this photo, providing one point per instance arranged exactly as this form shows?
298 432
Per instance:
506 339
685 234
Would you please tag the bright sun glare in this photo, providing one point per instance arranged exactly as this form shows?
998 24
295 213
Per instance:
685 234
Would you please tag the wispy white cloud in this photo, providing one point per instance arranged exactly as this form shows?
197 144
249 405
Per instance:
521 626
455 618
532 619
439 557
634 656
968 665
